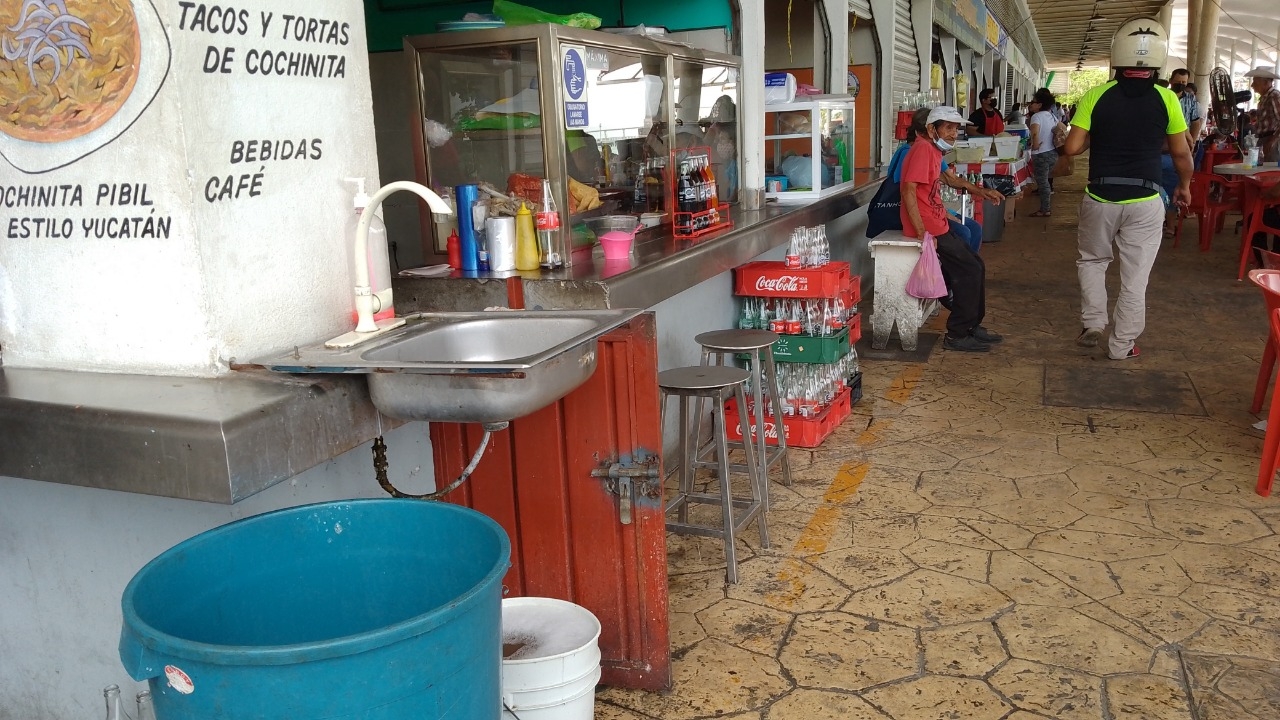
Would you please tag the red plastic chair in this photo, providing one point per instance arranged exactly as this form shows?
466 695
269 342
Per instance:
1271 443
1269 281
1211 211
1255 215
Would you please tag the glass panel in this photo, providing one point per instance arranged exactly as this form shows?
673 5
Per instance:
484 118
621 150
707 115
837 143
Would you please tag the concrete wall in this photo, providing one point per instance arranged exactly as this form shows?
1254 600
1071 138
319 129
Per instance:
207 217
66 554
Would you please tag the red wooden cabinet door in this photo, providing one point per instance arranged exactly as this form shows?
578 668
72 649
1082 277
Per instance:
596 541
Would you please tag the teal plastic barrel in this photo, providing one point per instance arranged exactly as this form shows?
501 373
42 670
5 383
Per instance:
371 609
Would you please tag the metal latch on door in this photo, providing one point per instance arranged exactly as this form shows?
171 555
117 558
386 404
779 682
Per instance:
627 478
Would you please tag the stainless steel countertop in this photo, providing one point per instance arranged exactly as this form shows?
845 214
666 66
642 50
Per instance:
212 439
224 439
662 265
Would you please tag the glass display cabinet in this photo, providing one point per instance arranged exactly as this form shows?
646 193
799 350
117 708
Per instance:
809 147
595 113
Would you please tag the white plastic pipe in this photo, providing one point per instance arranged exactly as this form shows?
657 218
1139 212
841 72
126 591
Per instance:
364 295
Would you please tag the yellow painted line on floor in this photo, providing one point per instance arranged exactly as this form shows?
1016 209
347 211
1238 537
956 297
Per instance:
818 532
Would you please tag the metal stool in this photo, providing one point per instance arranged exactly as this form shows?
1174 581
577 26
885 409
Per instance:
758 345
718 384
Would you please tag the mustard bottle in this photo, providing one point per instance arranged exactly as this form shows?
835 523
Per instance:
527 255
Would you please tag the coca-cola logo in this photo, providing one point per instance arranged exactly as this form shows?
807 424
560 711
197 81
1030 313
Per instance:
770 431
783 283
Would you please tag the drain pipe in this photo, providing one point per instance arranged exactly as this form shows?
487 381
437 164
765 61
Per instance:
380 466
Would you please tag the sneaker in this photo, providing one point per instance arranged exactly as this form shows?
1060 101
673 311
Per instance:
1133 353
968 343
986 336
1089 337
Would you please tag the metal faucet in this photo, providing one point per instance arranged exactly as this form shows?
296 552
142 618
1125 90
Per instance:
364 294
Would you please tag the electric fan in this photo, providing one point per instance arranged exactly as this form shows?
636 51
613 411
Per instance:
1222 99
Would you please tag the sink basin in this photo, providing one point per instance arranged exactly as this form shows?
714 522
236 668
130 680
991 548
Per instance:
469 367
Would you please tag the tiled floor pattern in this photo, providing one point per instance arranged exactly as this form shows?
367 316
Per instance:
959 550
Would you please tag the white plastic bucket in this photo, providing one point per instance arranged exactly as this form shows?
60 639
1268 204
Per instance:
554 674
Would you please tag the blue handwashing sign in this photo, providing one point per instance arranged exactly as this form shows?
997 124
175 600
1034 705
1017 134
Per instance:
575 115
575 74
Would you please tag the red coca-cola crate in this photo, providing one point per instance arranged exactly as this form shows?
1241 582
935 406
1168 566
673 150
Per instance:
800 432
855 328
771 278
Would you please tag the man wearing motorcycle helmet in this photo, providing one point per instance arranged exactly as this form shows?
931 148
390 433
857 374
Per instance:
1127 122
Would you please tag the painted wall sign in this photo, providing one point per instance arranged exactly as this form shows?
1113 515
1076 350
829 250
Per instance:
574 72
189 152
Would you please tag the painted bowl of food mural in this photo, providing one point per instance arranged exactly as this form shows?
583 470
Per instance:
75 75
67 66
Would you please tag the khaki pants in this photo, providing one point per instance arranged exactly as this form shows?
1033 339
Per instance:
1134 229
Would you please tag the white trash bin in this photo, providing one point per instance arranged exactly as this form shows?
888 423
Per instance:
552 675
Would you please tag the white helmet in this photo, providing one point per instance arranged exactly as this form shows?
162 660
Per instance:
1140 43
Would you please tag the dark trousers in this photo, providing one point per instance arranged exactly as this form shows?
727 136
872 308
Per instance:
966 277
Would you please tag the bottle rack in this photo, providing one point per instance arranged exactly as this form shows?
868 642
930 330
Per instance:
706 216
832 281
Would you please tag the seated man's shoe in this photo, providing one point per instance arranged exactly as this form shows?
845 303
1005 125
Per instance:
986 336
968 343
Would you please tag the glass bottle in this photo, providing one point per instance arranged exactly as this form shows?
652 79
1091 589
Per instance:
640 195
115 709
548 224
146 710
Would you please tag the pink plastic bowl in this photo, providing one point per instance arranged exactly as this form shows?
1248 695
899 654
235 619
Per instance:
616 244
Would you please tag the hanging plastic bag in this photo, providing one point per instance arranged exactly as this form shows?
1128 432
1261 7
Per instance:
926 280
517 14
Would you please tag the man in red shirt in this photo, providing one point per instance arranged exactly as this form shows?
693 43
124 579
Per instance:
922 211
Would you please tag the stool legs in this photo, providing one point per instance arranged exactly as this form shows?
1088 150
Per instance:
736 513
759 480
763 370
776 402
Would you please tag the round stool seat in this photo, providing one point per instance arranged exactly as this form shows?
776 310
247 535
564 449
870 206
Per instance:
736 340
702 377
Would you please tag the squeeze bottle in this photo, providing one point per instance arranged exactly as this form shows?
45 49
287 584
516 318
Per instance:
527 255
376 254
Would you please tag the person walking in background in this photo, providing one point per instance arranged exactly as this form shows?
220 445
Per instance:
1267 126
1125 123
986 120
1178 80
1043 154
922 212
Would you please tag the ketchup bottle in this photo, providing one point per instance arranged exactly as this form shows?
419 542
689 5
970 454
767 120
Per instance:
454 248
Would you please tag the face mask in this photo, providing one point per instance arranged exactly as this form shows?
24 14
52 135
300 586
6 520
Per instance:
1178 87
943 145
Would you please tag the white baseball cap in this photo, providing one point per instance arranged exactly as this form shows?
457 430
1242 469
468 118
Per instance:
946 113
1263 71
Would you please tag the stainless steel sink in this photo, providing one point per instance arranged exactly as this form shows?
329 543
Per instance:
469 367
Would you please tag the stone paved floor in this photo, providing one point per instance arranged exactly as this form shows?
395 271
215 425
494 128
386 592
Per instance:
961 550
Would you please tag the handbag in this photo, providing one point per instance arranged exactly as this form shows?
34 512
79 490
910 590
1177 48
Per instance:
1060 135
1064 166
926 281
884 212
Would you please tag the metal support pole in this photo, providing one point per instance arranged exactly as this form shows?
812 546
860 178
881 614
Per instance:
751 113
1193 38
949 70
1207 32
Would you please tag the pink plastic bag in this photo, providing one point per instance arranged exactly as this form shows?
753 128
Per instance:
926 278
